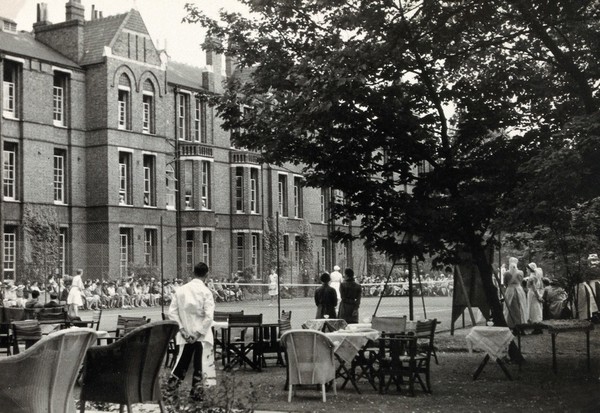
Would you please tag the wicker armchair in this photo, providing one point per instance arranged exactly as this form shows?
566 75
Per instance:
127 371
41 378
310 359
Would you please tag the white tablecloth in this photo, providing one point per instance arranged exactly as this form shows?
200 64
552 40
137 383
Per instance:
325 324
348 342
493 340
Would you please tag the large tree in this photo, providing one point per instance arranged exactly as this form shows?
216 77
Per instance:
421 112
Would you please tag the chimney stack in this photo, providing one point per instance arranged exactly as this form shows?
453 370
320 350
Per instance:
74 11
42 15
93 15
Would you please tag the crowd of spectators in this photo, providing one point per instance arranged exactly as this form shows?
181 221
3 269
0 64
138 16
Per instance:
96 294
124 293
429 285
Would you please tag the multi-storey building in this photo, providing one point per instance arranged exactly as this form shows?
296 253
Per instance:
101 132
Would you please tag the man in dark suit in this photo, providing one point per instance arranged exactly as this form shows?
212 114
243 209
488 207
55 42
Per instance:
350 291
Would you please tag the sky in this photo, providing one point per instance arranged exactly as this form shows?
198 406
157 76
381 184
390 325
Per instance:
162 18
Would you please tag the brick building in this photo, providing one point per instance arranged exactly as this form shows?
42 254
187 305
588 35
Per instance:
106 136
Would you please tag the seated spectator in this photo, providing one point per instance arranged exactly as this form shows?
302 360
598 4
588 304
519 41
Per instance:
53 301
34 301
92 302
555 301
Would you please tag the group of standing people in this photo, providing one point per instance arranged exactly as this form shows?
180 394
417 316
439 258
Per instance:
521 307
338 291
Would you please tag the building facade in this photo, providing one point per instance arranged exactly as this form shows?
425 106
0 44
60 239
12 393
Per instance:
114 147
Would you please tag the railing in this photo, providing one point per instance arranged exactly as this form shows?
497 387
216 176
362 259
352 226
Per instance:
243 157
195 149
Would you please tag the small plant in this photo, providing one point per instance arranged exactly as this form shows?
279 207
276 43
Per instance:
228 396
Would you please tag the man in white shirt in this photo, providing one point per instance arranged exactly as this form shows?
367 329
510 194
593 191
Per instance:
193 308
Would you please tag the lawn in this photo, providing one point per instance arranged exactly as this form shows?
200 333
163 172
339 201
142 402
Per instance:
534 387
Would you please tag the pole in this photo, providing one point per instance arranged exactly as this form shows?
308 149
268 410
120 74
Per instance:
278 283
421 288
162 270
384 287
411 309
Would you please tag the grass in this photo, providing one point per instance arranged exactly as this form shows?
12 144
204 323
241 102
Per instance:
534 387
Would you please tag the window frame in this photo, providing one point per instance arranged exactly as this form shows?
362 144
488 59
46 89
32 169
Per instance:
254 190
11 98
150 246
125 250
239 189
149 178
10 252
148 113
125 179
298 195
61 81
59 178
205 192
282 194
124 107
10 159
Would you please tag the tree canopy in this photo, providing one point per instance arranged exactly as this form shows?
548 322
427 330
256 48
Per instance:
431 116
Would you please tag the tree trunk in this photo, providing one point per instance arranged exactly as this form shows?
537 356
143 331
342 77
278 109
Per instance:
490 290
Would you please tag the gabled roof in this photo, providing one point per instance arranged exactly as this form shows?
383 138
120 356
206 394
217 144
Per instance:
98 34
185 75
23 44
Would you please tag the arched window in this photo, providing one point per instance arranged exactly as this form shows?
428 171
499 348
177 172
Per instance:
124 101
148 111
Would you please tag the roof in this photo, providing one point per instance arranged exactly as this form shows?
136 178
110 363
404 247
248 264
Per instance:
185 75
98 34
23 44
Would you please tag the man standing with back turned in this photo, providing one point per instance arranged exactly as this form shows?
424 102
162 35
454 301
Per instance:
193 307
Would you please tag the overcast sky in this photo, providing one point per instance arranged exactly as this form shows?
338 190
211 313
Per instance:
162 18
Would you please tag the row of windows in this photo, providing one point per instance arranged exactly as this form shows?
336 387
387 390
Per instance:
10 93
149 184
282 192
126 249
10 175
192 116
10 251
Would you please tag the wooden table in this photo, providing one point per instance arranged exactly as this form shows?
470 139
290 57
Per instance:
494 341
347 344
554 327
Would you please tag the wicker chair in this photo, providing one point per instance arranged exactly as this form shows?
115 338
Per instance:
310 359
41 378
127 371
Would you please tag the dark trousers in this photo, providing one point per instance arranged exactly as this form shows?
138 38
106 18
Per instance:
183 362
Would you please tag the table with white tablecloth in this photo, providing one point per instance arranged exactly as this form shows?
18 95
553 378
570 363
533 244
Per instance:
494 341
347 344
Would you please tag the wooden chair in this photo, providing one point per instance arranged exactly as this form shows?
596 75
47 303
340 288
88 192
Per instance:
425 330
310 360
127 371
57 315
272 339
238 348
396 360
172 349
389 325
27 332
126 323
426 333
5 338
41 378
